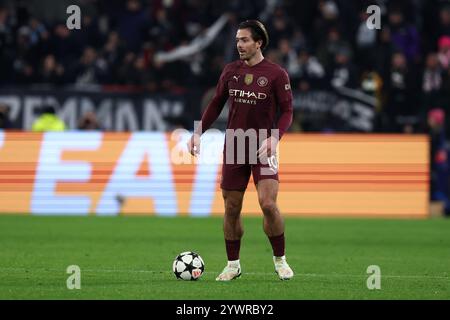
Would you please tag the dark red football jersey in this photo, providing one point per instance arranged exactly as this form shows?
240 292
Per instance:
255 93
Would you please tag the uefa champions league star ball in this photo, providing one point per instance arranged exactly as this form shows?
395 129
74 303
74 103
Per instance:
188 266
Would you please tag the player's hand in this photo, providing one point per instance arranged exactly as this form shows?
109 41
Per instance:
194 145
268 148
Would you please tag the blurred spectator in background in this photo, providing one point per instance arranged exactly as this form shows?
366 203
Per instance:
438 158
366 42
307 72
444 21
443 56
132 24
274 56
89 33
401 91
91 69
343 72
328 15
89 121
372 85
51 72
25 58
288 55
48 121
444 52
330 46
404 35
139 74
432 81
5 122
280 27
126 68
113 52
38 32
384 52
63 45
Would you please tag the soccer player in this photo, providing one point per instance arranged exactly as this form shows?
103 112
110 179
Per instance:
255 87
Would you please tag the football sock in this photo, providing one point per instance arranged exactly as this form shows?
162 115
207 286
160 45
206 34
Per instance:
234 263
277 243
233 247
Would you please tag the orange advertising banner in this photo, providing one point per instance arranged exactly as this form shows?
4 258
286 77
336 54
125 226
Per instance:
95 173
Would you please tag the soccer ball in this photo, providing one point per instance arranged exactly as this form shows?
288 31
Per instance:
188 266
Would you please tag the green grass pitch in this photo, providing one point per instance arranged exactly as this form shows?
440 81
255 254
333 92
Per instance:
131 258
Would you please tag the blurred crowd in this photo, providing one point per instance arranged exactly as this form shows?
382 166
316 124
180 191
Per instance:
323 44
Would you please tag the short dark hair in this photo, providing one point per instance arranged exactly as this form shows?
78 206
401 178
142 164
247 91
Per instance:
258 31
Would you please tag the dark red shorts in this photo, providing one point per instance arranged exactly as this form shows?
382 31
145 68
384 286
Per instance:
235 177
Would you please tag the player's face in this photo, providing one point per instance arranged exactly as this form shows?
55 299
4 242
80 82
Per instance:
246 46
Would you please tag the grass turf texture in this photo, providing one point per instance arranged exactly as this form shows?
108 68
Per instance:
131 258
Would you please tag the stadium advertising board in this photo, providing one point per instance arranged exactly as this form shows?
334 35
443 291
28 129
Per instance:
115 111
340 109
84 173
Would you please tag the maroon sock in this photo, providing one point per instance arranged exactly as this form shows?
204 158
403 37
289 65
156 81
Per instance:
233 247
277 243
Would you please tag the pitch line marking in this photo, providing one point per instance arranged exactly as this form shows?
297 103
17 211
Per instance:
341 275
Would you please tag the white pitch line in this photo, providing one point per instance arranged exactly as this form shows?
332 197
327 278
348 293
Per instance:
339 275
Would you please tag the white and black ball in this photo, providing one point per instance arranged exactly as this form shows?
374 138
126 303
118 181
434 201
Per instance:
188 266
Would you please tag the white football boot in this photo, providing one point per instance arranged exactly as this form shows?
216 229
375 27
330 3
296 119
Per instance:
230 272
282 268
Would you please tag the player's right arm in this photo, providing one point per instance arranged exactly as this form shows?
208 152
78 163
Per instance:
211 113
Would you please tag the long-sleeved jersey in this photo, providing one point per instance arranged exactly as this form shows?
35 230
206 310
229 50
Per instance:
255 95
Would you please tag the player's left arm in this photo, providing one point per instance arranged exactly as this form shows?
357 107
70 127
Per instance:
283 96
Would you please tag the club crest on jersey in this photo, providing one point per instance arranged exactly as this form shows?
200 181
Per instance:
262 81
248 79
